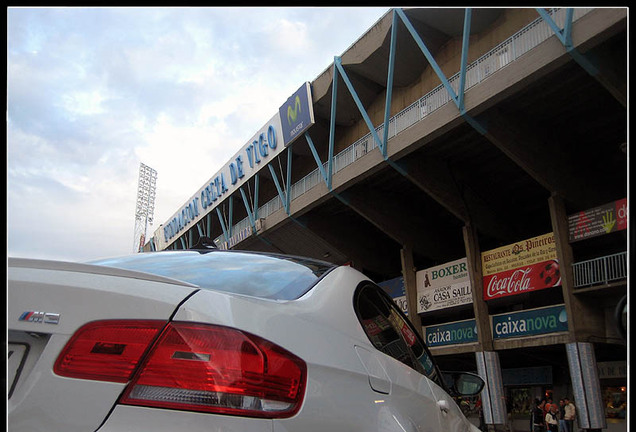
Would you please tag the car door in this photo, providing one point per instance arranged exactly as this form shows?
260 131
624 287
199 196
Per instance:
414 381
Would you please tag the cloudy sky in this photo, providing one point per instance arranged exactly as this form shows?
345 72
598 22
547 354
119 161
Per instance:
92 92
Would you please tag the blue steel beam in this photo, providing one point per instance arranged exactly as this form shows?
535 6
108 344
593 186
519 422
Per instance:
223 227
338 63
458 100
332 124
565 37
230 216
314 152
250 215
281 194
462 72
365 116
289 168
428 55
285 196
555 28
256 183
389 85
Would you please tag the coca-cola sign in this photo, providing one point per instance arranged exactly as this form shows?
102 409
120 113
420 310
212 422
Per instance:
531 278
521 267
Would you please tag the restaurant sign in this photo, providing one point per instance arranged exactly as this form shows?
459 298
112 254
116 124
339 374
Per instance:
521 267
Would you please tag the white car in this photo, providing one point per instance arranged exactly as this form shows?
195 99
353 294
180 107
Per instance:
214 340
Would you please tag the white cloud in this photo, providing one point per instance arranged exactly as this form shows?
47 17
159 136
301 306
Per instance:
92 92
289 37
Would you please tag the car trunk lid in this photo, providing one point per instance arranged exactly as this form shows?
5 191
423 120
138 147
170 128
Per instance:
47 303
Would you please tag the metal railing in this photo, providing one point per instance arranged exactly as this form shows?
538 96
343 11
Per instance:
601 270
503 54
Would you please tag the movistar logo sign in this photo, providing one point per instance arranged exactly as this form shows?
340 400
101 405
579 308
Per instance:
292 114
299 113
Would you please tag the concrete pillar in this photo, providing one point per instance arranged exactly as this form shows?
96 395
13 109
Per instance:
584 320
488 366
408 273
588 399
492 396
482 318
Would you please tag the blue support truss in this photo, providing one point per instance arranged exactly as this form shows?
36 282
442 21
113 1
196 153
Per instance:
457 98
314 152
250 214
338 65
389 86
226 234
428 55
565 37
285 196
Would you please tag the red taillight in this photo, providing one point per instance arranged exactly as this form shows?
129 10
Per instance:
194 367
107 350
208 368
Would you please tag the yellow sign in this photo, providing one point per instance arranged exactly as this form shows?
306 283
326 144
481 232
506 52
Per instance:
521 254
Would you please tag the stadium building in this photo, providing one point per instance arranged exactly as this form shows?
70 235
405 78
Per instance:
474 164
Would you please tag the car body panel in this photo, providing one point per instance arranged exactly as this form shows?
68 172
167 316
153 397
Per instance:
328 336
42 400
140 419
351 385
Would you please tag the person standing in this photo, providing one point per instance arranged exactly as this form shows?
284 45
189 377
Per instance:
570 413
537 420
562 424
551 419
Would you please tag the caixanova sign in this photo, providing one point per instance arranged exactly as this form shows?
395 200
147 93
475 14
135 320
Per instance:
521 267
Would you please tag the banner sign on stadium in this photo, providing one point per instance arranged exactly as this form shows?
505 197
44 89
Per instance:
521 267
443 286
552 319
262 148
459 332
395 288
598 221
297 114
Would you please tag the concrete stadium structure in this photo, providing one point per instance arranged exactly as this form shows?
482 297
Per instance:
456 136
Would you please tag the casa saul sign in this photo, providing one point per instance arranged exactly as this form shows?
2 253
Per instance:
521 267
443 286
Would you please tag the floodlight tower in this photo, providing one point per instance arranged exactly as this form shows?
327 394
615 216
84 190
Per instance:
144 213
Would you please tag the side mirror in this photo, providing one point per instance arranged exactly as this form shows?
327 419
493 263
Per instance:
463 383
620 317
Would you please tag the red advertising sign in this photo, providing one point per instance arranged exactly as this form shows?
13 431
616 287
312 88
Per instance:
528 265
533 277
598 221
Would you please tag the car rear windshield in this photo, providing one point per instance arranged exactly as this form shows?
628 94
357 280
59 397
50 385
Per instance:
276 277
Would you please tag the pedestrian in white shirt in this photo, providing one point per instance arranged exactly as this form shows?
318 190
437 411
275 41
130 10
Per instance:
570 413
552 419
